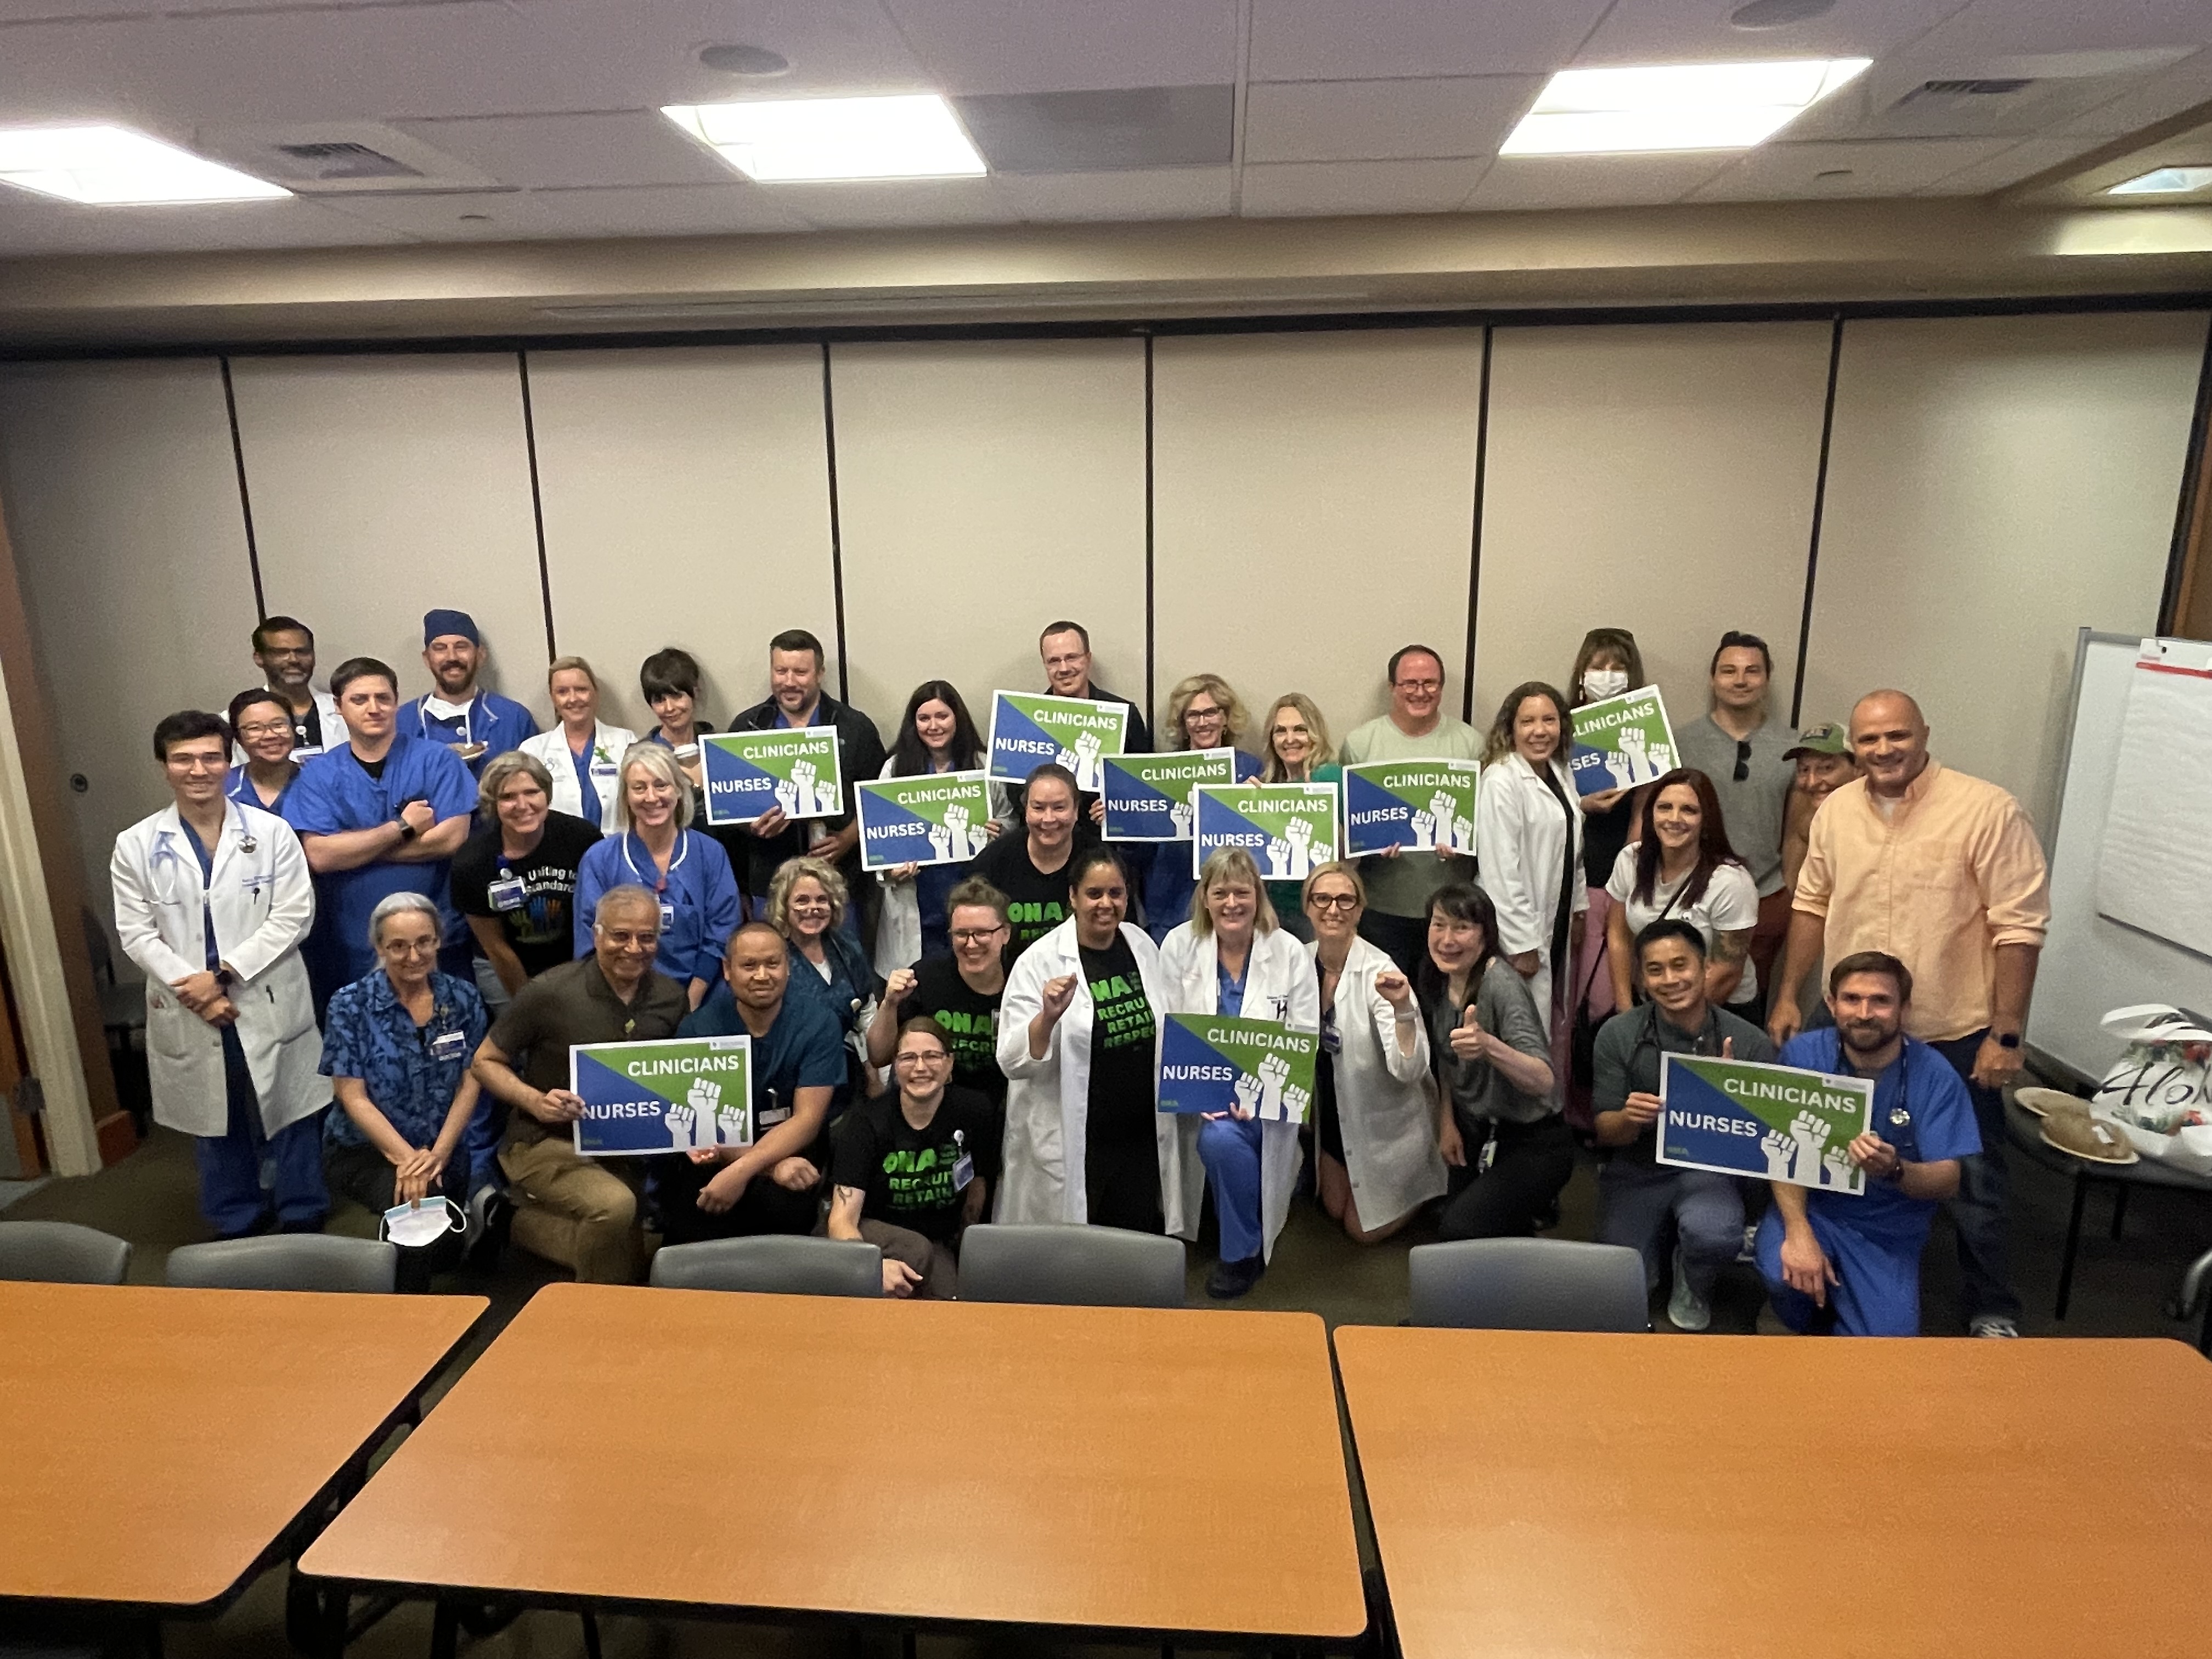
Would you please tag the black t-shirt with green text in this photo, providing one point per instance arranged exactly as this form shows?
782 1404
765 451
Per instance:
1037 899
1121 1104
911 1177
969 1018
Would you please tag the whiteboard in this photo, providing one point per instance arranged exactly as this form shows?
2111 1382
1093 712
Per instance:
2090 964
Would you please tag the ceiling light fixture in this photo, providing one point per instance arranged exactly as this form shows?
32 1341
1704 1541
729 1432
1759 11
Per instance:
1689 107
2165 181
114 167
789 140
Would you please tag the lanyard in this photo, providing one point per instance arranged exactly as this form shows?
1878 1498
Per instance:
659 881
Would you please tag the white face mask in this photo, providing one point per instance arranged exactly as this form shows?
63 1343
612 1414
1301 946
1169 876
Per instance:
416 1225
1604 682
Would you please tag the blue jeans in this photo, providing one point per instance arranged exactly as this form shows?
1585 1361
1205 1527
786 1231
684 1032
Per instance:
1634 1201
1231 1151
1977 1213
230 1164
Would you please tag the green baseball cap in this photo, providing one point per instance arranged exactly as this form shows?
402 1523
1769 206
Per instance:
1829 738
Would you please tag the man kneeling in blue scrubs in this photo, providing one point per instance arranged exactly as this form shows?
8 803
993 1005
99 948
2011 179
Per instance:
1851 1263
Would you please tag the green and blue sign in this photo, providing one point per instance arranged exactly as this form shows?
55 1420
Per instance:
1248 1069
935 817
748 773
1287 828
1777 1122
675 1096
1029 729
1148 796
1423 805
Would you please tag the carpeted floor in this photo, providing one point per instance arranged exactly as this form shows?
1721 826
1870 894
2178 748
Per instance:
2120 1288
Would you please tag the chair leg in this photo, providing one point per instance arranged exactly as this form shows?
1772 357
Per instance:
445 1631
2119 1209
591 1634
2073 1244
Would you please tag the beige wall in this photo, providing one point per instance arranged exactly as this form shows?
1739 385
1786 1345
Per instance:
1995 484
384 486
121 503
1315 500
1655 478
984 491
686 496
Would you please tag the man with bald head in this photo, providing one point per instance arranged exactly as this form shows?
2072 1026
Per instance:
1942 872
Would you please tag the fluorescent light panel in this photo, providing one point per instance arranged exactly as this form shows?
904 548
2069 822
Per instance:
789 140
1674 107
2165 181
114 167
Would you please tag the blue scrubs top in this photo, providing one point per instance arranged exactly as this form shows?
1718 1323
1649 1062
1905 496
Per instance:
699 897
1168 882
237 787
498 723
334 794
591 811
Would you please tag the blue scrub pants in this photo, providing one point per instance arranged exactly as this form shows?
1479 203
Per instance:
1880 1291
1231 1151
1636 1200
230 1164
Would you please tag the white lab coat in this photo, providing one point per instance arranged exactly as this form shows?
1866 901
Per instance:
1523 837
264 901
1386 1104
551 749
1048 1100
1279 984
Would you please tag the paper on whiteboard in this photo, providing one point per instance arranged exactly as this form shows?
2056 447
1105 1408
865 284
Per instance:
2155 869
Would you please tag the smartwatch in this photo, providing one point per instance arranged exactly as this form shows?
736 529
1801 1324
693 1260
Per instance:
2006 1039
406 831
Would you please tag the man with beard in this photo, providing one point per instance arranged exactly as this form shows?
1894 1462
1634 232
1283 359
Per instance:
1851 1263
472 721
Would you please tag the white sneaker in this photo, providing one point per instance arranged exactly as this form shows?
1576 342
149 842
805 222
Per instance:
1685 1308
1993 1325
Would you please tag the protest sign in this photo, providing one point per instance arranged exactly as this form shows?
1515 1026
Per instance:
1148 796
1211 1063
934 817
1621 742
1779 1122
1288 828
665 1096
1424 805
1029 728
795 768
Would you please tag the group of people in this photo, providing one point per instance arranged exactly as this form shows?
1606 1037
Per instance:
416 909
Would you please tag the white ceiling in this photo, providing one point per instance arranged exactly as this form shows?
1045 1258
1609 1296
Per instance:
1343 106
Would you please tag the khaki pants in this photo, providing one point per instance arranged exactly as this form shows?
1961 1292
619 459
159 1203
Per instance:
573 1211
938 1268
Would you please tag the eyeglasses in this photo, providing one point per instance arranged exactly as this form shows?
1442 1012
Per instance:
922 1057
1419 685
1742 759
978 935
265 729
1334 901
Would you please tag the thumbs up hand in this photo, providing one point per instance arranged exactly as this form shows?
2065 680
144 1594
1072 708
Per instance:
1469 1041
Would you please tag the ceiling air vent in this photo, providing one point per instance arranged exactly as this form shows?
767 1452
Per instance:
328 162
338 158
1994 87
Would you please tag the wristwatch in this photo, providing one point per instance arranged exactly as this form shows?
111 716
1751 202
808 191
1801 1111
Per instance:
2006 1039
406 831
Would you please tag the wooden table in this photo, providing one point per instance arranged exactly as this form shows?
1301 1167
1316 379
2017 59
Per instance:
162 1442
922 1462
1650 1497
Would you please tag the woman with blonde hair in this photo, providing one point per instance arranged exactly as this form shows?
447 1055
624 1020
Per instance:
1232 958
1296 748
807 899
580 753
1203 713
651 845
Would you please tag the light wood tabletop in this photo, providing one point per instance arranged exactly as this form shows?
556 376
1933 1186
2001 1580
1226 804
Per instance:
1649 1498
1131 1468
160 1441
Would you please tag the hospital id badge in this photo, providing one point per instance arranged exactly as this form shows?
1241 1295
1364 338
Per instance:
963 1173
1489 1156
448 1045
667 916
507 894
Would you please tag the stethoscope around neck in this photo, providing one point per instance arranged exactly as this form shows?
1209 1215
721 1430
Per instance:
166 850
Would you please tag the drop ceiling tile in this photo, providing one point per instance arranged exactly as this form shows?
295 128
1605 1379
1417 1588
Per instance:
1821 172
553 152
738 208
460 217
1698 31
1384 120
1292 188
1995 28
1133 128
1025 46
2186 85
1591 181
913 201
31 226
1152 194
1346 41
2007 168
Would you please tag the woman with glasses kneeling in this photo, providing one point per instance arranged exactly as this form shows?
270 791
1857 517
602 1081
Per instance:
912 1168
1498 1127
1374 1122
396 1045
1079 1041
1232 958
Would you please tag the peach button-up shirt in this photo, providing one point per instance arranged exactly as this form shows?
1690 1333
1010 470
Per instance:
1954 872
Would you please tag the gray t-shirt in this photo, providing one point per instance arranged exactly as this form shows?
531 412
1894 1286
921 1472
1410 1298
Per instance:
1402 886
1754 808
1625 1060
1477 1088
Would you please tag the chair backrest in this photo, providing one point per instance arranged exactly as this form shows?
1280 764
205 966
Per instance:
792 1264
61 1253
1528 1285
286 1262
1078 1266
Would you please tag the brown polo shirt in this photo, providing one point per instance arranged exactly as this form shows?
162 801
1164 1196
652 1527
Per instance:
574 1004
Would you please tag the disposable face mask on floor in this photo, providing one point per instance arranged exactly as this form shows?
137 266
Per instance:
1604 682
417 1224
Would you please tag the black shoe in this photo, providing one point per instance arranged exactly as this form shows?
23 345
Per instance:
1231 1279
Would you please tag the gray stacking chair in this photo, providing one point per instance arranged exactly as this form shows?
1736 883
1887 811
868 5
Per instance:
1083 1266
1528 1285
286 1262
794 1265
61 1253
